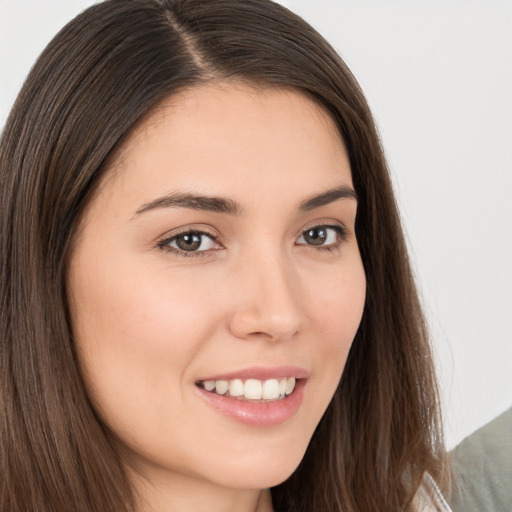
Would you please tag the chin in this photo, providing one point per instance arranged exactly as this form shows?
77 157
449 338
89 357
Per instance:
259 472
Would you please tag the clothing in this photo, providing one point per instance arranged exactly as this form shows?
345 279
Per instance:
429 498
483 468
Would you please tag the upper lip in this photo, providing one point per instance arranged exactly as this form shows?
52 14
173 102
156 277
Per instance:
262 373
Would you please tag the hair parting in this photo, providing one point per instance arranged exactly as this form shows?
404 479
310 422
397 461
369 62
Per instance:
105 72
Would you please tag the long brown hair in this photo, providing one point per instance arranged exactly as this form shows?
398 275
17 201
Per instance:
101 75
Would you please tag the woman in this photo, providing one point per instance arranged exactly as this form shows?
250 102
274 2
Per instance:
206 299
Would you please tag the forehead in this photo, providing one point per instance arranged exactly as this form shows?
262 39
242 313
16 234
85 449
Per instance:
224 135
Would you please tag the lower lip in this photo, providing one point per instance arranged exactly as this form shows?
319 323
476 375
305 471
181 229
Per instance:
264 414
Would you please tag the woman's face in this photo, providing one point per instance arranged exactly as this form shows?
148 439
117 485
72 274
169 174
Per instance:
219 253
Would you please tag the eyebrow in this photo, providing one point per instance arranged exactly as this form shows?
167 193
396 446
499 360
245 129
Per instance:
330 196
230 207
194 202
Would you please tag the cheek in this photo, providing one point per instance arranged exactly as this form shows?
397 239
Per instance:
136 334
129 309
339 308
336 313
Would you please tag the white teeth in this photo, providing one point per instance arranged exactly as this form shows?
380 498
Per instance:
290 385
221 386
253 389
282 387
209 385
270 389
236 387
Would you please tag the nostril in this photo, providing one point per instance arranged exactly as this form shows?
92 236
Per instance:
260 334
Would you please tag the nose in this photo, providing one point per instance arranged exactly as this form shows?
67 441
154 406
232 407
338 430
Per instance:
267 300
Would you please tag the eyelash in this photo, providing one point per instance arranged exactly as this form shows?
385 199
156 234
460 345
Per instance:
164 244
341 236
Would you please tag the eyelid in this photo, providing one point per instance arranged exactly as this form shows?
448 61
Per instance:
164 241
325 223
191 228
342 234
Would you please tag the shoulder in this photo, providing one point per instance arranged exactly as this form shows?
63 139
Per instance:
483 468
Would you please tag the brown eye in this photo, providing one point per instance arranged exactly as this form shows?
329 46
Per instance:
322 236
315 236
190 241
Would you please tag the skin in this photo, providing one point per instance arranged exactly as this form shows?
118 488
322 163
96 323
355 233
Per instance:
150 321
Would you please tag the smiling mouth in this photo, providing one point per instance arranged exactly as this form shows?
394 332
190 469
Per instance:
251 390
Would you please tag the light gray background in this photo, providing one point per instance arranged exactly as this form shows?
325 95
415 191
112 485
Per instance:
438 76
